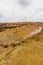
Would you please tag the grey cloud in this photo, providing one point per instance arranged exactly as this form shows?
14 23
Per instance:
1 15
24 3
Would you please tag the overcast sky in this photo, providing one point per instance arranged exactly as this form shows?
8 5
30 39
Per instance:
21 10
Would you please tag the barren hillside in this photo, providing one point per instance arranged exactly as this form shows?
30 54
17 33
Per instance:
21 43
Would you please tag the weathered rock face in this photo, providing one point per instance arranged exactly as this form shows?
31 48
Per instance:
21 44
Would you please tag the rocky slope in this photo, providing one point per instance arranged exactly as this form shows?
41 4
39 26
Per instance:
21 44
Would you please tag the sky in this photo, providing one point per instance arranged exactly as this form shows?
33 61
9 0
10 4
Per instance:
21 11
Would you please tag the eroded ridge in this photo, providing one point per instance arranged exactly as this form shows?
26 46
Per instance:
20 32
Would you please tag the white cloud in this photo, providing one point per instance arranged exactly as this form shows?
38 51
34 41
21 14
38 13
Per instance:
12 10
